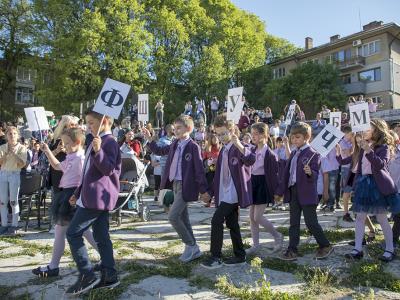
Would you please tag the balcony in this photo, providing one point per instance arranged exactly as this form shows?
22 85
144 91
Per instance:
351 63
355 88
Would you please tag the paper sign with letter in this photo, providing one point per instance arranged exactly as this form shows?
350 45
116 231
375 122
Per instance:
112 98
235 104
359 117
143 107
335 119
36 118
326 140
290 114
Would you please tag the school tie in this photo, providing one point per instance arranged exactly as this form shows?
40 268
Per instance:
293 168
174 164
225 168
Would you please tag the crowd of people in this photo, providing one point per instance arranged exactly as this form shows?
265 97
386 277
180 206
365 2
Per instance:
256 163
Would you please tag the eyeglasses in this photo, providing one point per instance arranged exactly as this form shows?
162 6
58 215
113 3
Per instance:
224 134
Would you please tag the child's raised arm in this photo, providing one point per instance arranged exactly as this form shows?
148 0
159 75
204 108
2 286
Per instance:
54 162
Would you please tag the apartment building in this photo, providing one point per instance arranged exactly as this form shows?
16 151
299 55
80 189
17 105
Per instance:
369 62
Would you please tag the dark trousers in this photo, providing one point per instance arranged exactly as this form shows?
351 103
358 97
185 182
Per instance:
310 218
396 228
228 213
82 220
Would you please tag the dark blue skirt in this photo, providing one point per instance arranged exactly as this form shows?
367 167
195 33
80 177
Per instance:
368 198
61 210
260 190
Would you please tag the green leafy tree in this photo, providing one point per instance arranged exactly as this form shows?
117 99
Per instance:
311 84
277 48
15 33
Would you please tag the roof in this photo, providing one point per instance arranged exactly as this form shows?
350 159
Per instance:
392 27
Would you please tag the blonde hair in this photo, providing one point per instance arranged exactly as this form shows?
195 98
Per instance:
9 128
65 121
185 120
381 134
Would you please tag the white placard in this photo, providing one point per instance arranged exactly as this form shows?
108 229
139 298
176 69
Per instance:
235 104
359 117
143 107
36 118
326 140
290 114
112 98
335 119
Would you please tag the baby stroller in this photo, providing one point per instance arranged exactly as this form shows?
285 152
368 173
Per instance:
133 181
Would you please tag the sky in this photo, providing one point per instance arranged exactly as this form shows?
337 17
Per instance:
320 19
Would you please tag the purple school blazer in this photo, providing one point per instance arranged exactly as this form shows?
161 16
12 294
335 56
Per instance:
240 168
306 185
193 174
379 158
100 185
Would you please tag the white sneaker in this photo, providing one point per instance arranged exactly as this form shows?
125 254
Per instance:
185 253
193 253
252 250
278 243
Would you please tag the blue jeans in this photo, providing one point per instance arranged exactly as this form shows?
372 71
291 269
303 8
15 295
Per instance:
333 176
82 220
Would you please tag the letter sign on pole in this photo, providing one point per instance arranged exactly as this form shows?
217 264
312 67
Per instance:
359 117
235 104
143 107
328 138
111 99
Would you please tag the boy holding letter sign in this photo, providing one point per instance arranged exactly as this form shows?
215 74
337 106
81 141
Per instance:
299 185
98 191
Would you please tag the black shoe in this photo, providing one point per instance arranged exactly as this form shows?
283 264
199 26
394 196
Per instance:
156 199
212 263
338 206
353 243
331 209
387 258
370 239
354 254
234 261
83 284
97 267
108 282
47 273
347 218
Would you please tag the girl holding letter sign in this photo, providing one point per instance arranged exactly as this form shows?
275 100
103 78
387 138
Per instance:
375 192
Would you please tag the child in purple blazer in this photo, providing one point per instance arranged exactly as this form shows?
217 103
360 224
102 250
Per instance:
265 180
374 189
231 188
95 196
300 182
185 172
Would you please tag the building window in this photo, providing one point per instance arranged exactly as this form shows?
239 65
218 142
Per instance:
370 75
346 79
24 74
369 49
377 99
278 73
24 95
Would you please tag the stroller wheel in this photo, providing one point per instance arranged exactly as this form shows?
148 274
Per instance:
145 213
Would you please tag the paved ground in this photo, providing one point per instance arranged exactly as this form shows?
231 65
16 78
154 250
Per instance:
147 254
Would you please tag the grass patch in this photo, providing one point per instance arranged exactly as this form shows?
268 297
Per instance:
262 290
335 236
372 274
30 248
318 280
279 265
202 282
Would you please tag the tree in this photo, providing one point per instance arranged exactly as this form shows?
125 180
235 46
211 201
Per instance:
277 48
15 31
311 84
